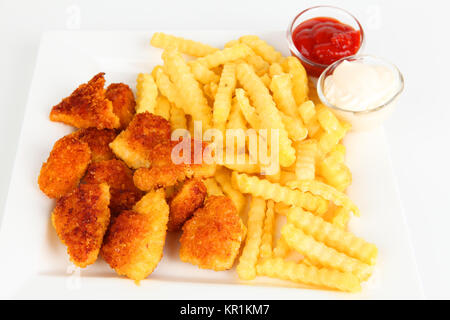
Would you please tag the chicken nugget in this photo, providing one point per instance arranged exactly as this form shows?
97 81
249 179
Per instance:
80 219
87 107
98 141
212 237
133 245
188 199
164 172
135 144
65 167
123 102
119 177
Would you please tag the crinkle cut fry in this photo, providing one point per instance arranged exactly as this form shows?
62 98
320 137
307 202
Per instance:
319 253
333 236
246 268
310 275
268 230
195 103
264 104
186 46
325 191
274 191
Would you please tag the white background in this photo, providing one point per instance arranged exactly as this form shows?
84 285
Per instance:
412 34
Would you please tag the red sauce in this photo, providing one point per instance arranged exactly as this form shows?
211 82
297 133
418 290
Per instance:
325 40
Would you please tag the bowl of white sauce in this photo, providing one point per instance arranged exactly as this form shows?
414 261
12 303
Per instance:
362 90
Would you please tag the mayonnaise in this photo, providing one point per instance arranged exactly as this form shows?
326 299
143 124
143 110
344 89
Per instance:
357 86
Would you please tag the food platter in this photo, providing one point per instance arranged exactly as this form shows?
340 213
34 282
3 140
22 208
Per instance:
35 262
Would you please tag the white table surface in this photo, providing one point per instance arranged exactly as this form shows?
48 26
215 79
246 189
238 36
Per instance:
412 34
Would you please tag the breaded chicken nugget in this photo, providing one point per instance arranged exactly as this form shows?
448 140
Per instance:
65 167
212 237
188 199
164 172
87 107
123 102
119 177
98 141
135 144
80 219
133 245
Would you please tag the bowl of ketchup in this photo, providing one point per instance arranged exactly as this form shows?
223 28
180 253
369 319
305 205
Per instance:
322 35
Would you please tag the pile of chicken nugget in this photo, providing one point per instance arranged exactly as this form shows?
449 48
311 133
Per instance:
118 192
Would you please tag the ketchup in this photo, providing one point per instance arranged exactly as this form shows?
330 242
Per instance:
324 40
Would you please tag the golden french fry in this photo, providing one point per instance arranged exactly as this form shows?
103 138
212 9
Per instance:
267 236
194 102
222 102
274 191
231 43
294 127
310 275
326 192
212 187
250 168
262 100
262 48
307 111
313 127
258 64
275 69
248 111
281 249
223 177
341 217
299 79
337 154
317 252
236 119
336 174
332 236
328 140
224 56
305 161
177 118
189 47
282 208
246 268
265 78
146 93
162 107
327 119
287 176
202 74
281 87
210 90
166 86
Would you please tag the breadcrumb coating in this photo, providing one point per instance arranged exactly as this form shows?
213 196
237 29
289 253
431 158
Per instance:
124 105
80 219
87 107
188 199
133 245
65 167
135 144
119 177
164 172
98 141
212 237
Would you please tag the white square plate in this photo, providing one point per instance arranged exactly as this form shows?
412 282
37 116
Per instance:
33 262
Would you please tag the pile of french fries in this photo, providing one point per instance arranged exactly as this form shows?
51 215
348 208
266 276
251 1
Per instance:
248 84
